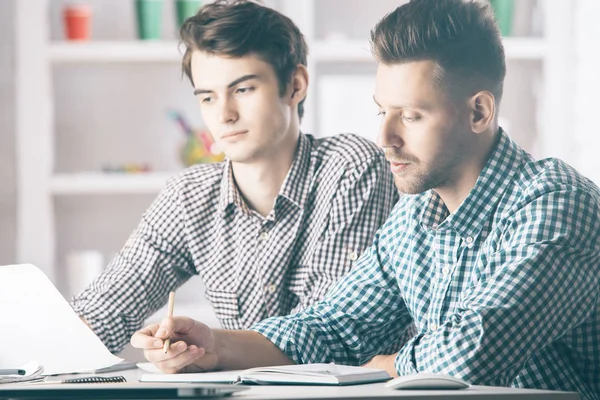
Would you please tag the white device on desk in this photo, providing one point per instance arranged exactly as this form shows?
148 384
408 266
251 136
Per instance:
427 381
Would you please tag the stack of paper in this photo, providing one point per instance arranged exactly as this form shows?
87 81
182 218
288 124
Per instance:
33 372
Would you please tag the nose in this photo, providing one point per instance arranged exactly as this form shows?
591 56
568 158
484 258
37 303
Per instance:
390 134
228 111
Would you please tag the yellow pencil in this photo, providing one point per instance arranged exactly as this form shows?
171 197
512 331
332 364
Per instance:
171 305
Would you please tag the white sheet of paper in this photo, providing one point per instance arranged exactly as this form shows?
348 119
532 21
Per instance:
149 367
37 323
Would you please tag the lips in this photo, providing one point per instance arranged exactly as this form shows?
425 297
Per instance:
398 167
231 135
396 161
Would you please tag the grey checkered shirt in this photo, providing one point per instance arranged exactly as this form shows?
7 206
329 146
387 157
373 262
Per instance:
338 192
504 291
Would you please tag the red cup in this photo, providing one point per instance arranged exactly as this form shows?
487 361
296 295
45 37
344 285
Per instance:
78 21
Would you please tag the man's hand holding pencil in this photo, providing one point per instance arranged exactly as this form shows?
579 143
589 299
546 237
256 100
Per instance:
178 344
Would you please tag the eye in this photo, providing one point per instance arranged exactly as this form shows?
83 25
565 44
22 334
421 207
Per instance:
243 90
382 113
411 117
206 100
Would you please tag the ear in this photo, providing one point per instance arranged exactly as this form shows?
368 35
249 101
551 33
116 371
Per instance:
483 111
299 84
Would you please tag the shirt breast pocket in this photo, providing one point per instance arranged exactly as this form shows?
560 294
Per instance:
225 304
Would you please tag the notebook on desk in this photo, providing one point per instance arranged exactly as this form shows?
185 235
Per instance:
306 374
131 390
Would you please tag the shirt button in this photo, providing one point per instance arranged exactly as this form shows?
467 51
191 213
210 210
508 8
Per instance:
445 270
264 236
352 256
469 239
433 327
272 288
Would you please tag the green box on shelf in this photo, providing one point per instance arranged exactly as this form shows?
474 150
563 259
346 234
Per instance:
186 9
149 18
503 9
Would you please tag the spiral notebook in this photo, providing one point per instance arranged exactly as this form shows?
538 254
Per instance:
91 379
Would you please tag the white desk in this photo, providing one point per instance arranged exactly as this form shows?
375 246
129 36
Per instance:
378 391
276 392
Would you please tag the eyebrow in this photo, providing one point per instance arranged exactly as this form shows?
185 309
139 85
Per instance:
421 106
232 84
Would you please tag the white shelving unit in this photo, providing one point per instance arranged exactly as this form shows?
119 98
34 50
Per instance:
40 184
114 52
359 51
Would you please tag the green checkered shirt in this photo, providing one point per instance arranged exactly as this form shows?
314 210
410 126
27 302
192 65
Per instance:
504 291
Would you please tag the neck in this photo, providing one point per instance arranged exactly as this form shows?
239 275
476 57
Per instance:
458 188
260 182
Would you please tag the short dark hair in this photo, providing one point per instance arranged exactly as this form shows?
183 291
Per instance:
460 36
236 28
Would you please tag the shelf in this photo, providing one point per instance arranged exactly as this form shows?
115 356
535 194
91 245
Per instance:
116 51
98 183
321 51
516 48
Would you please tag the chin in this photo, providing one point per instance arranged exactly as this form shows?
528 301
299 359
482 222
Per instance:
241 157
236 159
409 186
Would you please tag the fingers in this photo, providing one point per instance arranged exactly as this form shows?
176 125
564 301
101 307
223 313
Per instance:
145 338
178 356
178 326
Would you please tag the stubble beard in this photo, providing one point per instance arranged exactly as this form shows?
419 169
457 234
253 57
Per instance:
439 174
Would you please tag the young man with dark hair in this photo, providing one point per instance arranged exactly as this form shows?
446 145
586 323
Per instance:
273 227
493 255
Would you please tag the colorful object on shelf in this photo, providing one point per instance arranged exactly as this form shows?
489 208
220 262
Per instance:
131 168
149 19
186 9
195 151
503 9
77 21
199 146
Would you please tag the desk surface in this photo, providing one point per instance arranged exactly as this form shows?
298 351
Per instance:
355 392
377 391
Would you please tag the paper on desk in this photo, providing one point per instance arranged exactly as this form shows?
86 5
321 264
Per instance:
33 370
149 367
37 323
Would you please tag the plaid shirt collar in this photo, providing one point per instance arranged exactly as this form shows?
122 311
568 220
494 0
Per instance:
295 188
505 161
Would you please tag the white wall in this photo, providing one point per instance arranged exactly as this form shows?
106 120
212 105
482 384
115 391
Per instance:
7 135
584 106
